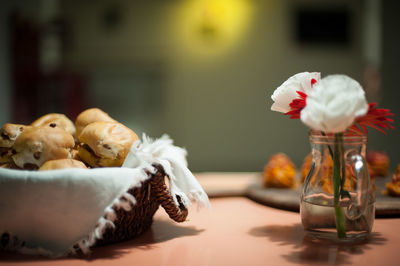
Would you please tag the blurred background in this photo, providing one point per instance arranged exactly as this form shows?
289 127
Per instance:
201 71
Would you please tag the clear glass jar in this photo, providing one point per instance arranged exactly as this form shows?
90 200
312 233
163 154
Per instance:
338 199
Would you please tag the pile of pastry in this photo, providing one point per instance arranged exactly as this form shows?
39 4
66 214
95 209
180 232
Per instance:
393 187
280 172
53 141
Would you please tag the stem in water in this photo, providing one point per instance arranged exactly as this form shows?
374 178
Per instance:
337 155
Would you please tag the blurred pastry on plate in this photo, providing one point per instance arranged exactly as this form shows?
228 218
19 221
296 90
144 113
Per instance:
378 162
55 120
279 172
371 172
393 188
62 164
90 116
305 167
105 144
326 175
36 145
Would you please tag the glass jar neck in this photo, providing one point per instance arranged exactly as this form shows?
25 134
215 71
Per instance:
318 137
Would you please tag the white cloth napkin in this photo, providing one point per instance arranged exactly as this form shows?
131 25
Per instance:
49 212
173 159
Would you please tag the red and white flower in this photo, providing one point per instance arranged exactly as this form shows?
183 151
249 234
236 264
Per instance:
334 104
300 83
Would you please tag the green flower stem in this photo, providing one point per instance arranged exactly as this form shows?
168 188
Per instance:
337 155
343 165
329 146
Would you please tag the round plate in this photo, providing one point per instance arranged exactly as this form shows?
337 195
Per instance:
289 199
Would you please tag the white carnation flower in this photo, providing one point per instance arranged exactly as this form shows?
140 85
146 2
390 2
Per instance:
286 93
334 103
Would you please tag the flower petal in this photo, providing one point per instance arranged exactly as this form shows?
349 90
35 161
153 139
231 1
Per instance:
334 103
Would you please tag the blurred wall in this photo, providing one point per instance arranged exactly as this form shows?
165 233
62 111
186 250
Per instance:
4 63
28 9
390 79
216 99
6 9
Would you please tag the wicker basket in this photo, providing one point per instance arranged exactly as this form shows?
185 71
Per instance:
149 196
152 193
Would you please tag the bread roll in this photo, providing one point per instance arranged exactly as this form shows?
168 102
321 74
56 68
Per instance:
8 134
62 164
55 120
5 155
9 165
36 145
105 144
89 116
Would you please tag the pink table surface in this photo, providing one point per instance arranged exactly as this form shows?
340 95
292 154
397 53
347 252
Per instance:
236 231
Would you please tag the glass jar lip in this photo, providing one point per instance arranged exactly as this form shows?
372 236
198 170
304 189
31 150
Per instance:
316 135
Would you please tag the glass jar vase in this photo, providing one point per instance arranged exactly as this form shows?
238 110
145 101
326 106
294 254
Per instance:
338 198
